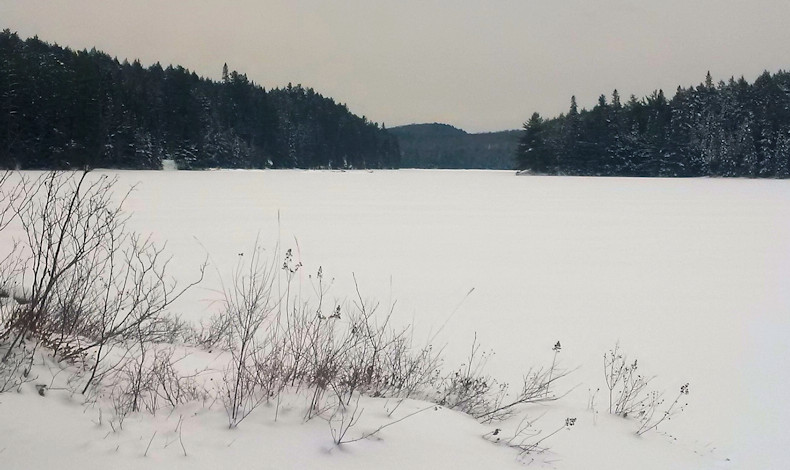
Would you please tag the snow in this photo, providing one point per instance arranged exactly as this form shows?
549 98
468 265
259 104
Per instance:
38 432
169 165
689 275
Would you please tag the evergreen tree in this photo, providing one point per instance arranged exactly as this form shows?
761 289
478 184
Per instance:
66 109
727 129
781 156
533 153
568 158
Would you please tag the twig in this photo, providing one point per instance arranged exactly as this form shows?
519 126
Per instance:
380 428
180 437
149 444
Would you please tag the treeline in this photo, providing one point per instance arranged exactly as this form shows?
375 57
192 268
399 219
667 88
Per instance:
72 109
724 129
444 146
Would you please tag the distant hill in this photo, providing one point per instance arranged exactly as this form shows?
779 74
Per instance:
443 146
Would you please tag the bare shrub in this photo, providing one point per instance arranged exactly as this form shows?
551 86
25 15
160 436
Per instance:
211 333
627 388
526 438
14 366
383 361
66 222
650 420
92 283
468 389
334 354
629 396
148 381
472 391
269 368
249 301
352 350
342 420
15 370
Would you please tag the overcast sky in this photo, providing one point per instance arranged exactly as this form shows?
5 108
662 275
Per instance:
478 65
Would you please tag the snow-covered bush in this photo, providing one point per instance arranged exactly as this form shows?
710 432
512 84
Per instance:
655 415
333 353
629 395
90 284
96 295
627 387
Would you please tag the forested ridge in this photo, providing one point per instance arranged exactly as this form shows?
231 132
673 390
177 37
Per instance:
444 146
61 108
724 129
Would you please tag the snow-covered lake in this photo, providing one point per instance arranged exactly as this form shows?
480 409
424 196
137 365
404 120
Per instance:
690 275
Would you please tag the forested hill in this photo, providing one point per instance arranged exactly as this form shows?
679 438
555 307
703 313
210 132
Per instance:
70 109
725 129
444 146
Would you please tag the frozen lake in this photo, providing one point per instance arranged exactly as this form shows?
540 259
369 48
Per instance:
690 276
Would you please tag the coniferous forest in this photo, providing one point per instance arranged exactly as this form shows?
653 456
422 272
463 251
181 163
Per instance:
72 109
724 129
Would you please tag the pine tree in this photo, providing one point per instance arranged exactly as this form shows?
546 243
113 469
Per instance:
568 158
725 129
533 153
708 81
781 155
746 151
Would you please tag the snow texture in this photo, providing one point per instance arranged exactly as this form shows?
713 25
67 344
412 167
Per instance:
689 275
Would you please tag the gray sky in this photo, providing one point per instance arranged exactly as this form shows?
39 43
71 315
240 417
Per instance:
478 65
